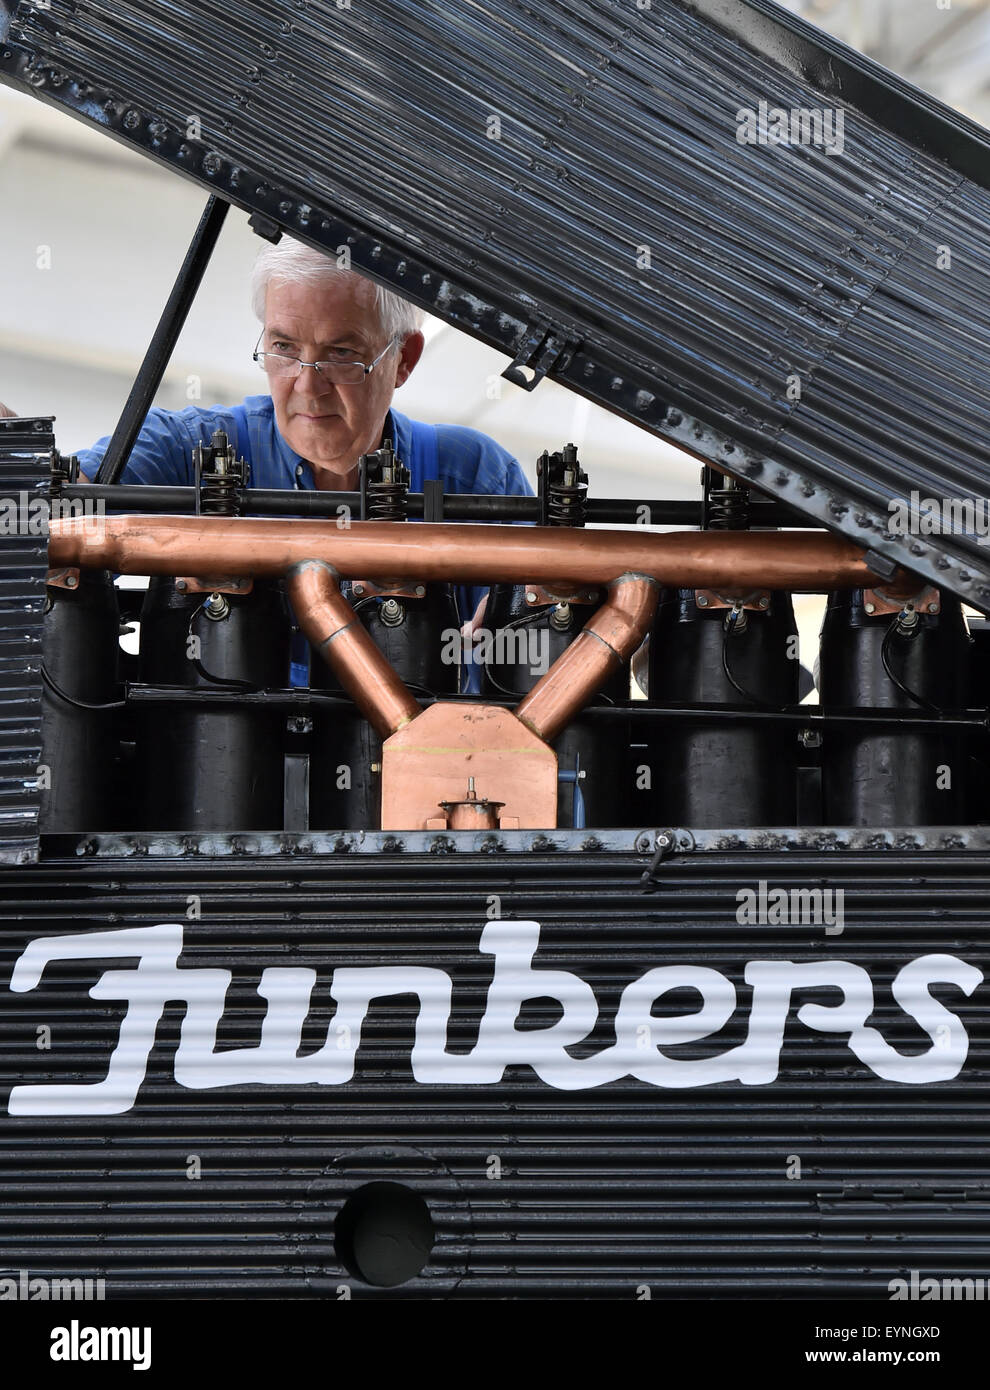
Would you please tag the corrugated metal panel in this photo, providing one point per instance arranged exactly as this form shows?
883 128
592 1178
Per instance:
508 164
689 1191
25 466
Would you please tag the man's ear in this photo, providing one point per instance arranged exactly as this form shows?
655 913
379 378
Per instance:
409 354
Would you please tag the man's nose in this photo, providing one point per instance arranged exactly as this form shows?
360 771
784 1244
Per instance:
310 382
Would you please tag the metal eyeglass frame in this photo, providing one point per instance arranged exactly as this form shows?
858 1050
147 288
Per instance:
320 366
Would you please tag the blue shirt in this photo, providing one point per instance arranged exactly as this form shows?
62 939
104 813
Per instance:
464 460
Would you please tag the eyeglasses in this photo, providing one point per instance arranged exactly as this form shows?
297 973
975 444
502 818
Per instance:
339 373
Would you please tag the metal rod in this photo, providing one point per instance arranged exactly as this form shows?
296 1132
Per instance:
156 359
458 506
805 716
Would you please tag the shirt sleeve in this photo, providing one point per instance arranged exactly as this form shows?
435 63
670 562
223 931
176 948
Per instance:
162 453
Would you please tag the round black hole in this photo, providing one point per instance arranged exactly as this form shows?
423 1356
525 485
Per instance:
384 1234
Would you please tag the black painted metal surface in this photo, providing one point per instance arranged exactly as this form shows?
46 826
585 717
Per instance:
25 465
567 184
601 1191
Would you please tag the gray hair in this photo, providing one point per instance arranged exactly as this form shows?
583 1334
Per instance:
291 262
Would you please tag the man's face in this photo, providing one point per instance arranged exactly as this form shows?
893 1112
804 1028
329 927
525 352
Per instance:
332 425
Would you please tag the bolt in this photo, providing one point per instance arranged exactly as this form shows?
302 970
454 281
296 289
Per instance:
870 607
644 843
663 840
702 600
420 590
359 588
181 585
933 608
71 581
764 602
530 596
376 767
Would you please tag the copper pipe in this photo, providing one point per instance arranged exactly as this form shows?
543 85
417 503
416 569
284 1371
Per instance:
605 643
333 627
481 553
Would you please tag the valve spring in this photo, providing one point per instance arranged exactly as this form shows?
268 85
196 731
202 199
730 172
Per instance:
728 509
387 501
565 503
219 494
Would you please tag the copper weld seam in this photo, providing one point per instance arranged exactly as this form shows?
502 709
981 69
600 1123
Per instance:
360 667
457 552
605 643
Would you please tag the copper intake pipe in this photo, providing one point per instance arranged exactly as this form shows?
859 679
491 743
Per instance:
480 553
605 643
333 627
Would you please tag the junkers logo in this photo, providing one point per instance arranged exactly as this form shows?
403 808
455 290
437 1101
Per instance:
640 1036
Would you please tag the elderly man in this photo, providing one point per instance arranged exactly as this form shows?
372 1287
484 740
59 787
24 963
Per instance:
335 347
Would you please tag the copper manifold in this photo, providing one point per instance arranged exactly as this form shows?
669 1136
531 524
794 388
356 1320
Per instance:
449 552
335 630
427 757
606 642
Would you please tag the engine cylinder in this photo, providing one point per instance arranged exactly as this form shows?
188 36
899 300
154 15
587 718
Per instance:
81 647
210 767
893 776
715 773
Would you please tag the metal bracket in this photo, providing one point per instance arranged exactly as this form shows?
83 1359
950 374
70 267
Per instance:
264 227
543 348
758 600
664 846
222 584
880 564
537 596
370 588
67 578
927 600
